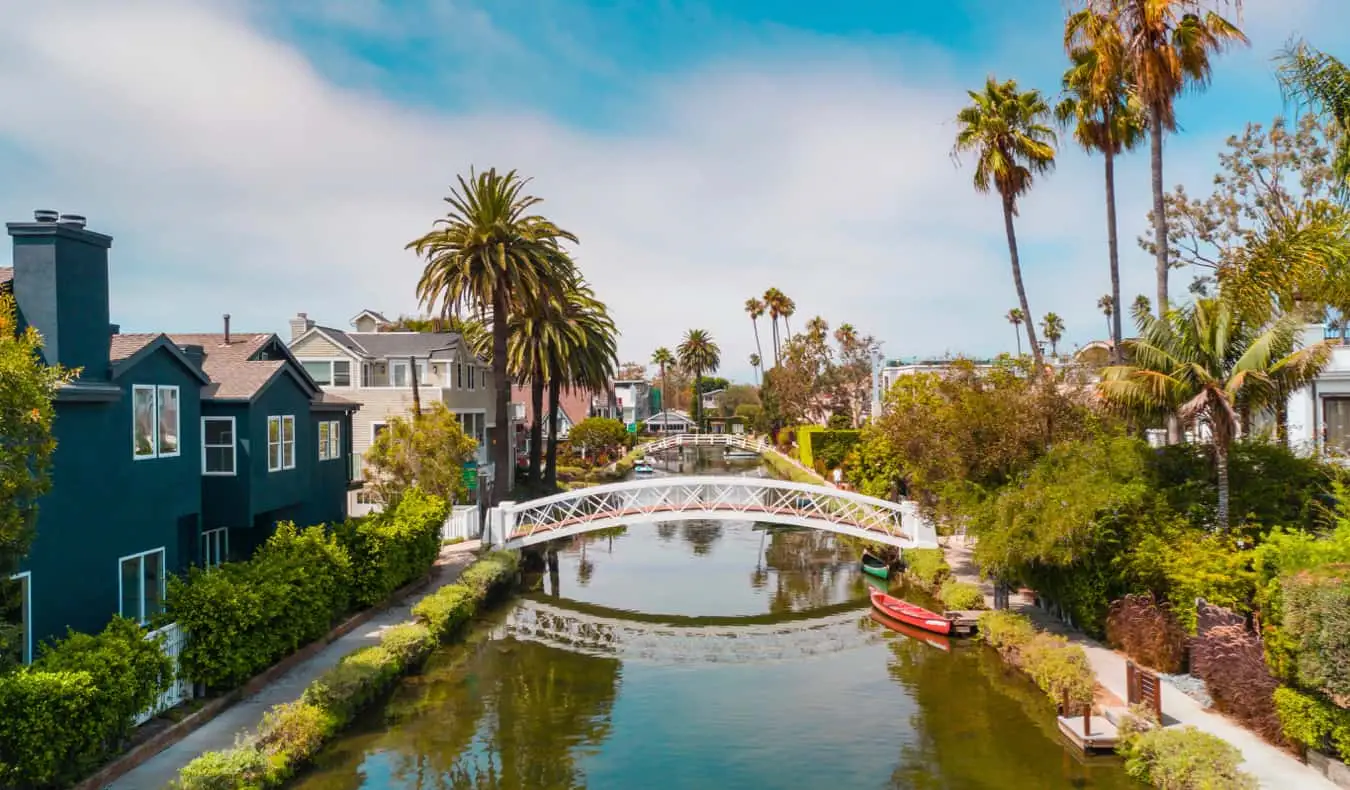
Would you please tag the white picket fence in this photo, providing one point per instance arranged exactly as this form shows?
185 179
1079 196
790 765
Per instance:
461 523
171 638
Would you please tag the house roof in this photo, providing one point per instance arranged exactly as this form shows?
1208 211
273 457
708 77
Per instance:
233 372
575 403
6 274
373 314
381 345
670 415
125 350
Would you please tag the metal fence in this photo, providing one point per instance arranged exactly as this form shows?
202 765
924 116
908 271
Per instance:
171 639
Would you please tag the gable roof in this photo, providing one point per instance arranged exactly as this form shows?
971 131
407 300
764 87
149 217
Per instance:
670 415
125 351
236 371
382 345
379 317
6 274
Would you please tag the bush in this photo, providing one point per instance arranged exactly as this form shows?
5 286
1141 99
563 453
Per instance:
957 595
490 573
1058 668
354 681
1183 758
392 548
1317 620
1006 632
927 566
409 642
1231 661
73 708
830 447
1313 721
242 617
242 768
291 734
1148 632
446 609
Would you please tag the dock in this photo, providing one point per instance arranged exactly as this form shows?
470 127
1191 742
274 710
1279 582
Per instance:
1097 734
965 622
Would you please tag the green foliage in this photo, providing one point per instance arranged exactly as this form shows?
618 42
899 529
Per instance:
73 708
957 595
1282 557
242 768
872 467
446 609
1005 631
409 642
242 617
805 452
427 452
596 434
1317 620
927 566
787 470
490 573
1313 721
1180 564
291 734
393 547
354 681
832 447
1059 668
1183 758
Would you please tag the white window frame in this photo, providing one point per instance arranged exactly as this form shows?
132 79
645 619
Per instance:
234 447
276 451
140 578
472 370
222 536
330 446
288 419
25 580
332 363
422 375
322 431
374 429
177 420
459 375
154 420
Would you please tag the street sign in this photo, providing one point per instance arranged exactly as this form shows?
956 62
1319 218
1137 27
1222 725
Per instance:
632 427
471 474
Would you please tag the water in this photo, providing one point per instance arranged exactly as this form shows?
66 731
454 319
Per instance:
707 655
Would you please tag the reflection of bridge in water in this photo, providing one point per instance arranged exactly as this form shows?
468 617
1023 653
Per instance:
751 639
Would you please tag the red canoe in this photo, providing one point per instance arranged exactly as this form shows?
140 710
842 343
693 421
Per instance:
910 614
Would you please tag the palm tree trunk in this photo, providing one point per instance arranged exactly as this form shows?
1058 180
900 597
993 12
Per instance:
537 428
551 473
759 352
1221 462
1282 419
1160 233
1113 251
501 434
787 331
1021 289
1017 333
698 400
776 358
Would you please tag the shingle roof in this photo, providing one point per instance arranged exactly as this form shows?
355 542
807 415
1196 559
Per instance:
395 344
233 372
6 274
125 346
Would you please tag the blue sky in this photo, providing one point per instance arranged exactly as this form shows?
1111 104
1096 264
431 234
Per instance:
267 158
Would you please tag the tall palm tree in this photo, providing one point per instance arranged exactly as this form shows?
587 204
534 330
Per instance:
1317 80
699 354
1107 304
662 358
540 349
1016 317
1141 304
488 253
773 301
1206 365
755 308
754 365
1104 116
1053 327
787 309
1005 128
1167 48
591 364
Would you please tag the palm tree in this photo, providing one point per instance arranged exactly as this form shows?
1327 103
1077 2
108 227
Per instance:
1166 47
487 254
1016 317
755 308
662 358
773 301
1204 364
591 364
1141 304
786 310
1053 327
754 365
1005 128
1317 80
540 348
699 354
1107 304
1105 116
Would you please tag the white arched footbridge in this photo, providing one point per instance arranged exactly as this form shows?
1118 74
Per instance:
734 441
516 525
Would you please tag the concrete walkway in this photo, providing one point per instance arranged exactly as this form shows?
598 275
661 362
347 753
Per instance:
222 731
1273 767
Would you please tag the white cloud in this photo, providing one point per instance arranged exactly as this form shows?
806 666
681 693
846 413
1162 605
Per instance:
237 178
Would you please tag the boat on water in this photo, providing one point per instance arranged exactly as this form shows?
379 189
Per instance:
872 565
933 640
740 455
643 468
910 614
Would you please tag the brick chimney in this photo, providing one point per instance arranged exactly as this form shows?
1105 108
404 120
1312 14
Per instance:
61 288
300 325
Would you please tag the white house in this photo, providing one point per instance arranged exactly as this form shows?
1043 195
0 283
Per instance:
1319 414
670 421
634 398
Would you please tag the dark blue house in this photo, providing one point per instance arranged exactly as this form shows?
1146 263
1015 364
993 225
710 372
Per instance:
171 450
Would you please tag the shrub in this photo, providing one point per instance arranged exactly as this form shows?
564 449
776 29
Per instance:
1148 632
242 617
490 573
1317 620
446 609
409 642
1231 661
928 566
957 595
354 681
291 734
1183 758
392 548
242 768
830 447
1058 667
1006 632
1313 722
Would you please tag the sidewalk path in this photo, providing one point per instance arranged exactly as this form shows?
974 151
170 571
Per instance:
243 716
1273 767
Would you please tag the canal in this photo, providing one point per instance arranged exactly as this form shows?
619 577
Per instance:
707 654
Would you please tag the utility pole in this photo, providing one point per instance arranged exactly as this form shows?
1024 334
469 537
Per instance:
877 360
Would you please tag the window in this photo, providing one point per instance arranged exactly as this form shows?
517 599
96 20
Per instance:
330 440
218 454
399 375
19 611
473 425
1336 424
329 372
280 443
459 375
154 421
140 584
377 428
485 377
215 547
471 376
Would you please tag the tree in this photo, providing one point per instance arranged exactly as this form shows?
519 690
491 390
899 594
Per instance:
663 359
428 452
774 301
1006 130
1167 46
1207 365
485 255
1318 81
591 361
1107 304
598 434
1016 317
27 390
1053 327
632 371
1104 115
540 348
699 354
755 308
787 309
755 363
851 376
737 395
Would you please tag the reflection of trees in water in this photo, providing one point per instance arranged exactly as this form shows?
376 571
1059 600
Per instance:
513 716
808 563
667 530
701 535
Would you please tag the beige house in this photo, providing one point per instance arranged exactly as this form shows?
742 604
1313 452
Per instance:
376 369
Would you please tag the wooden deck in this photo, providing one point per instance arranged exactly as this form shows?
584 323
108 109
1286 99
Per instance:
1101 734
965 622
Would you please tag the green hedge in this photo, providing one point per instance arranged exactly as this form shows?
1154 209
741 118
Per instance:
1059 668
830 447
391 549
1182 758
927 566
291 734
73 708
957 596
1313 722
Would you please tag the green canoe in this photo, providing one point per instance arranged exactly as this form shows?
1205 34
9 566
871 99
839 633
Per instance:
875 566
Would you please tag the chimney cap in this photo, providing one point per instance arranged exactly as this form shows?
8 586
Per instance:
76 220
302 315
45 215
